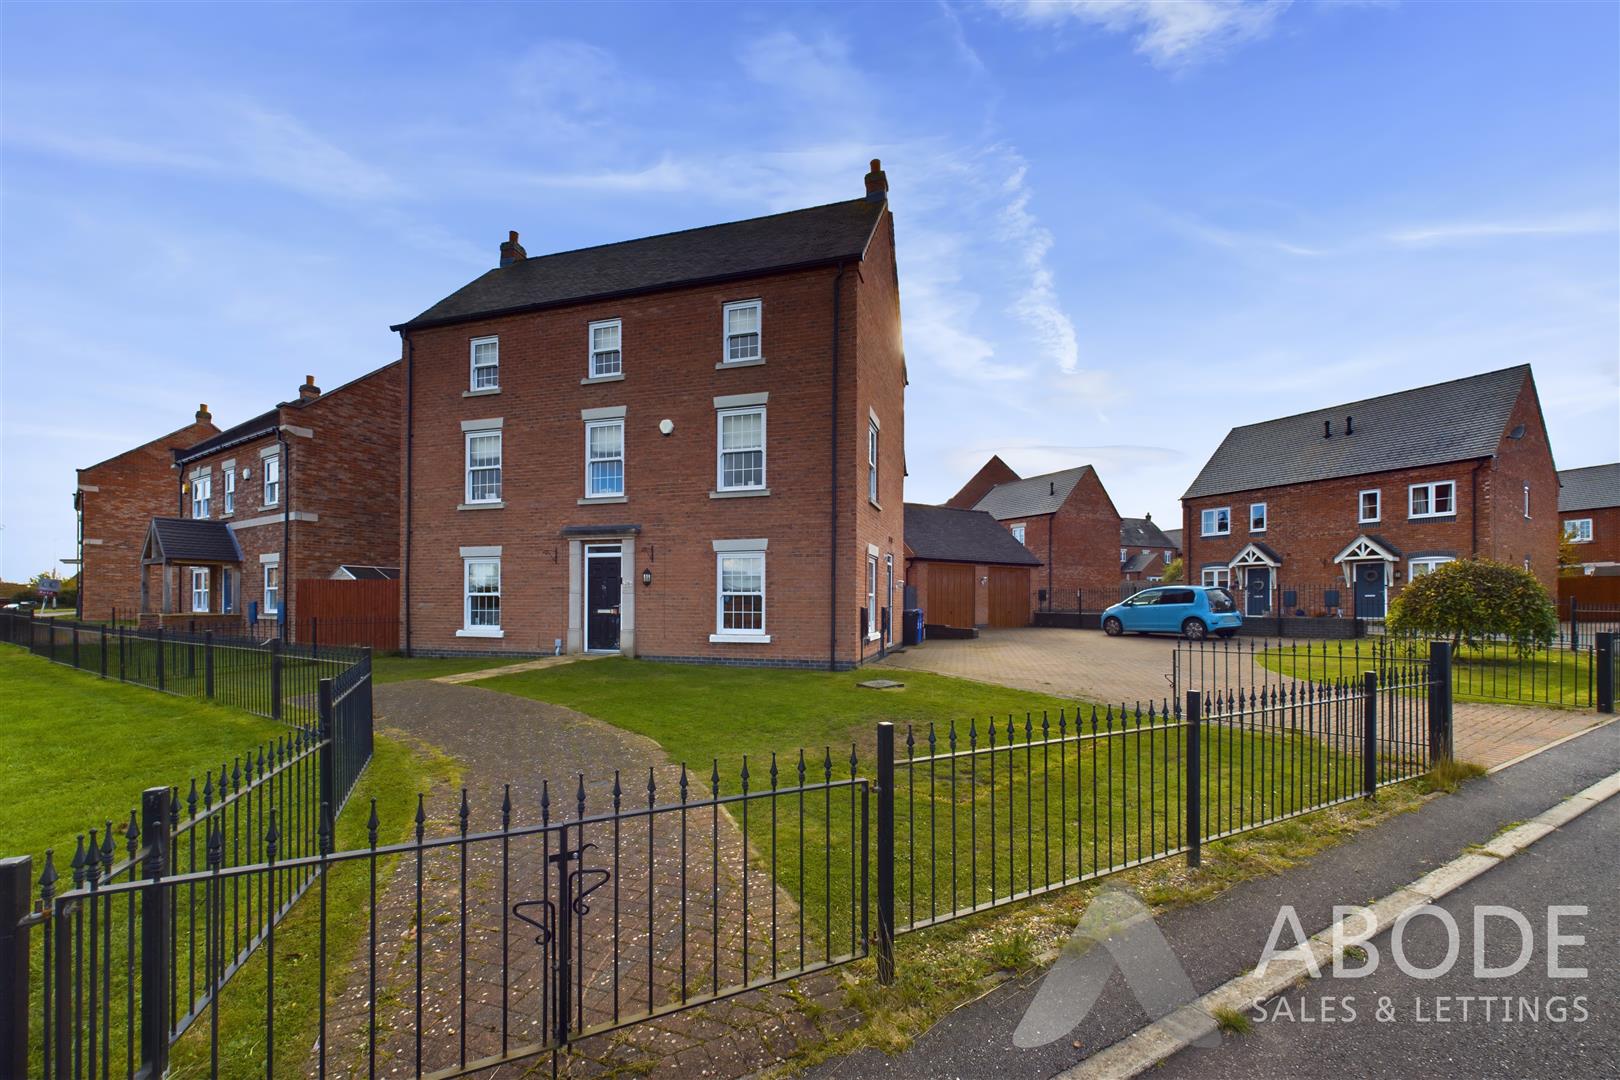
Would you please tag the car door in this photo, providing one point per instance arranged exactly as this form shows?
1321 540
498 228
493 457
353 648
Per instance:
1138 611
1174 606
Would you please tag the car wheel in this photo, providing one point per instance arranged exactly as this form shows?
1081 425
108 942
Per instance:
1113 627
1194 630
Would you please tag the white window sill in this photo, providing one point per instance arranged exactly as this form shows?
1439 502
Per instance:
589 379
482 392
1432 517
1207 536
1257 532
594 500
494 504
755 362
271 505
1369 521
481 632
740 493
740 639
873 637
874 502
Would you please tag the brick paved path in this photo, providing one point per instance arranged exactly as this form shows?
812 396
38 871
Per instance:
1089 665
499 739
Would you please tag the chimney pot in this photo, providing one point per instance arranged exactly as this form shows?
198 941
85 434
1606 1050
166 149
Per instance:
203 415
511 250
877 183
309 391
1148 516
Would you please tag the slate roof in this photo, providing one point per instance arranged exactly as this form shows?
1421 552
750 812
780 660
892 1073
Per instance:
1141 532
370 573
797 239
1592 488
247 430
1031 496
185 540
1139 562
1451 421
1174 536
949 535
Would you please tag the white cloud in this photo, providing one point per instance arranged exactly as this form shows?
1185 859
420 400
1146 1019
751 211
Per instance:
816 69
1466 231
1038 305
1170 33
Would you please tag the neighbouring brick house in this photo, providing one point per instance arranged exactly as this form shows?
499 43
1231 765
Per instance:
687 446
116 500
1065 519
1330 512
966 569
295 492
1144 549
1589 507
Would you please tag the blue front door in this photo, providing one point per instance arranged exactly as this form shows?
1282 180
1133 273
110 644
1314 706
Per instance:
1369 590
1257 590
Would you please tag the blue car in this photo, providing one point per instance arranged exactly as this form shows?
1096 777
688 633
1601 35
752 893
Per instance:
1193 611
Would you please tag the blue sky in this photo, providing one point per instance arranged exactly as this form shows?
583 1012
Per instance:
1122 228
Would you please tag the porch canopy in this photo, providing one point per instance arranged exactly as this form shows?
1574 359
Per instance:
186 542
1366 548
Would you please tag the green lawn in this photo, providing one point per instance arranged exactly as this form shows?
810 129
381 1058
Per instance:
387 669
78 750
1493 673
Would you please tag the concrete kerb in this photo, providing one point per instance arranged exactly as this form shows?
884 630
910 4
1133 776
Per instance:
1158 1041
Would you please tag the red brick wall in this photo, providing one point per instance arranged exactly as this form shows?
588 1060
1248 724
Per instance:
131 489
993 472
1510 535
1079 546
671 343
1605 545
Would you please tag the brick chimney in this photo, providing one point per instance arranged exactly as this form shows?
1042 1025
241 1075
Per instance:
511 250
877 183
309 391
203 415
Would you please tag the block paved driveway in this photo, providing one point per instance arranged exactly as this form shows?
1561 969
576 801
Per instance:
500 739
1090 666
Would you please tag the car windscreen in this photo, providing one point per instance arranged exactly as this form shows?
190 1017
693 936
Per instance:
1220 600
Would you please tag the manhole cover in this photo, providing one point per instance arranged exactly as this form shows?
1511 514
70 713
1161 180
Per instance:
880 684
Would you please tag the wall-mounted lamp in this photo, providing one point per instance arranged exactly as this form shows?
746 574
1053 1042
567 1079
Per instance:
646 577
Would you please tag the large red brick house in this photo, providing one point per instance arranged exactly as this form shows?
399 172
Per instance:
1330 512
686 447
218 537
1065 519
116 500
1144 549
1589 508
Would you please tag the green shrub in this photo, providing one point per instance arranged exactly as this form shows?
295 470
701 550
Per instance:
1472 601
1173 571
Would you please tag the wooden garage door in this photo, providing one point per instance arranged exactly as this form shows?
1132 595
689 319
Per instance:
950 594
1009 596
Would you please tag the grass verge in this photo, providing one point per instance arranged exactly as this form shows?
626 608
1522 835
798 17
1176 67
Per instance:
400 767
1559 678
388 669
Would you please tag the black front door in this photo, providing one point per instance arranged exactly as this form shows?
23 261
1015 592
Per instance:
603 569
1258 589
1370 590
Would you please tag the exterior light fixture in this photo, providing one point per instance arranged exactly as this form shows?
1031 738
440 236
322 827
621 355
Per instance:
646 577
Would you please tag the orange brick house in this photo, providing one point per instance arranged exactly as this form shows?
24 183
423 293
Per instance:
1066 520
686 447
116 500
1330 512
1589 508
1144 549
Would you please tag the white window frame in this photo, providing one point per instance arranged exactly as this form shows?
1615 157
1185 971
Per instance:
594 369
872 631
1124 555
202 495
272 593
888 565
467 438
1527 502
1218 511
1428 563
873 433
1576 533
1216 577
199 595
1430 490
1018 532
229 506
1265 517
1378 506
721 632
720 450
468 627
473 366
725 331
590 426
271 468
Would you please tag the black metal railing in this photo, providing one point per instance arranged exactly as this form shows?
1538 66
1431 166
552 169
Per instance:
1579 624
499 932
1494 671
268 678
